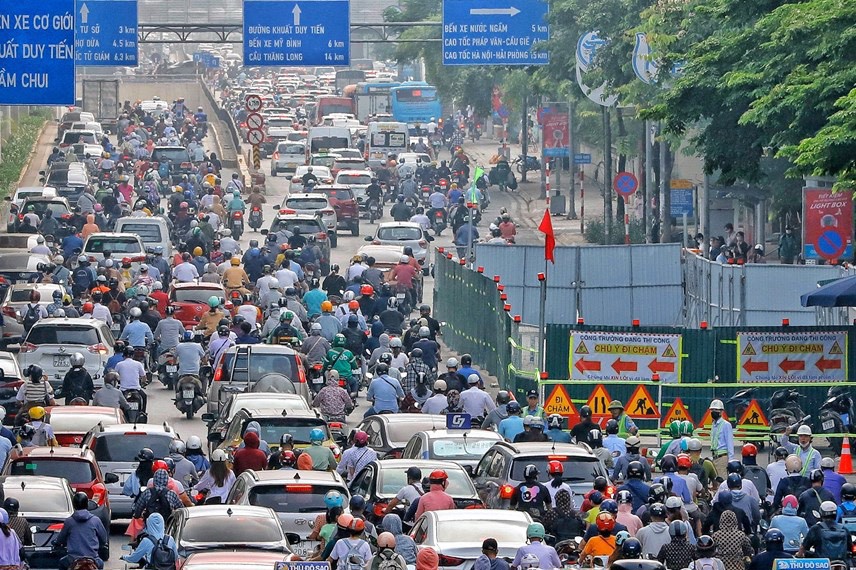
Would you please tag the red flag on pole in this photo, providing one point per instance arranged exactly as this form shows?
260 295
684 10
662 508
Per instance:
546 227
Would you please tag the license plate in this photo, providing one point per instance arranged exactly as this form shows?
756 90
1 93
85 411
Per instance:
187 394
61 360
317 380
171 368
828 424
304 548
134 405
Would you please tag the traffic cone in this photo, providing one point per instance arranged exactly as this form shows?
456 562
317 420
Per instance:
845 464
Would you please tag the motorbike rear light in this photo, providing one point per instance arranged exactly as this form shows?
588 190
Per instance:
446 560
287 211
438 214
28 347
506 491
98 493
186 165
276 155
321 236
335 425
237 215
298 488
98 349
56 527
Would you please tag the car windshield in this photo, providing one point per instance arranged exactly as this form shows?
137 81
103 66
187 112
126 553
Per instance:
291 149
505 532
177 155
393 479
323 161
306 203
118 245
261 364
280 123
149 233
234 529
401 432
577 469
16 262
399 233
322 143
292 498
41 501
273 428
123 447
74 471
51 333
459 448
264 401
354 179
336 193
306 226
196 295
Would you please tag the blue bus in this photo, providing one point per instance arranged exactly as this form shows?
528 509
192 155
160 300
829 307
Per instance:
415 103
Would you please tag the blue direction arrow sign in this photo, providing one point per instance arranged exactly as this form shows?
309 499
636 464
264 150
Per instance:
297 33
209 60
37 52
106 32
582 158
494 32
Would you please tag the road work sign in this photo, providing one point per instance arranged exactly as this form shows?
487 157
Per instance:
791 356
601 356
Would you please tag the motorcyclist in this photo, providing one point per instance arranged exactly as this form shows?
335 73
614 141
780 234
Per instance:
109 395
491 421
343 361
82 535
309 175
77 382
530 495
316 346
285 330
136 332
811 498
321 455
794 484
827 538
401 211
209 320
774 542
809 456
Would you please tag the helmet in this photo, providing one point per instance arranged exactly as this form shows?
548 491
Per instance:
37 413
669 463
367 290
416 353
780 453
353 305
695 445
555 467
535 530
684 461
502 397
716 406
735 466
609 506
624 496
828 509
361 438
605 522
816 475
827 463
687 427
386 358
635 470
77 359
326 306
344 520
615 405
656 493
585 412
658 510
80 501
734 481
235 262
333 499
177 446
848 491
631 548
804 430
632 442
223 330
675 428
677 528
194 442
749 450
11 505
316 435
286 317
219 456
773 537
386 540
160 464
357 524
438 476
357 503
287 458
382 368
339 340
612 427
600 483
146 454
673 503
529 561
512 408
530 472
595 437
135 313
213 302
705 543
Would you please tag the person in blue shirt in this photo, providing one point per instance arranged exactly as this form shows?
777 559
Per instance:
847 508
155 527
245 337
556 433
136 332
809 456
313 299
118 356
511 426
791 524
832 481
669 465
4 431
467 369
70 243
384 392
615 444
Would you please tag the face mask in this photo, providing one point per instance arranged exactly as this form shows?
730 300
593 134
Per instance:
715 415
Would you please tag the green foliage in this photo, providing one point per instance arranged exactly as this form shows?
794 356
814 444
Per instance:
594 232
16 150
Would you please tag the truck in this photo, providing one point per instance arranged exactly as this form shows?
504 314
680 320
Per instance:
101 98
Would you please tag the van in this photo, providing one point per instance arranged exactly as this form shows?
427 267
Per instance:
153 231
324 139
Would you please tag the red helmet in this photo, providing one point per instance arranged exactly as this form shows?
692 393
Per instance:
235 295
438 476
287 458
605 521
367 290
87 307
126 261
357 525
159 464
353 305
684 461
749 450
183 206
361 438
344 520
555 467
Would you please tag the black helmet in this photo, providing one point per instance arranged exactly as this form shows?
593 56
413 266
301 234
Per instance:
735 466
128 352
816 475
386 358
734 481
781 452
530 472
35 372
705 543
658 510
848 492
80 501
600 483
669 463
635 470
656 494
502 397
612 427
11 505
631 548
416 353
609 506
223 330
585 412
146 454
595 437
774 537
381 368
466 360
624 496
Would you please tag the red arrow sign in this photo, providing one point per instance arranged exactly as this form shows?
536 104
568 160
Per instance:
751 367
583 365
790 365
661 366
624 366
824 364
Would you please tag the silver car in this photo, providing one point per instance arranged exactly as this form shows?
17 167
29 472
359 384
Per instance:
465 447
310 205
17 299
297 498
406 234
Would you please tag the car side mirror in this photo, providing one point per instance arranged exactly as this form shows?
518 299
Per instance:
209 417
111 478
429 238
264 232
215 437
368 238
469 470
292 537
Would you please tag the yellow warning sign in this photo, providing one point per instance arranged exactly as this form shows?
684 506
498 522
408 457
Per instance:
749 351
641 405
836 349
753 416
599 400
558 402
707 421
678 412
669 352
581 349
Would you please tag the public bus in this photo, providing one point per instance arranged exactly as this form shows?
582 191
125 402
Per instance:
383 139
327 105
415 103
345 77
372 98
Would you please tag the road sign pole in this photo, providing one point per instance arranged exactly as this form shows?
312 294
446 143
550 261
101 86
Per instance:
542 319
656 378
582 199
547 185
627 221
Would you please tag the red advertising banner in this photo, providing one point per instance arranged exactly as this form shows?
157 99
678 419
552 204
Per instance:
827 224
557 140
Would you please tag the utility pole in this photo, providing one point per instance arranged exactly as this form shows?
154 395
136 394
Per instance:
607 177
572 166
524 135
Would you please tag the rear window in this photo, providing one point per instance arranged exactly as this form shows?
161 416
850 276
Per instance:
80 423
10 369
291 149
460 448
74 471
123 447
177 155
505 532
280 123
229 530
58 209
149 233
306 226
189 295
115 244
304 204
323 161
297 136
260 365
353 179
273 429
336 193
320 144
399 234
73 137
577 469
392 480
63 334
41 501
292 498
401 432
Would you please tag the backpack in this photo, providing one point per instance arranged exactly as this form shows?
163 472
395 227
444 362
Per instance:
31 317
833 541
158 503
162 556
353 559
848 518
82 278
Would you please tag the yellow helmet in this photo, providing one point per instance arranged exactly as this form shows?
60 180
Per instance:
177 188
37 413
236 262
326 306
197 251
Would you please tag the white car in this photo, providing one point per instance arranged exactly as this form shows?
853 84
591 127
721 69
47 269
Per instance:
414 157
357 181
32 192
311 205
121 245
52 341
287 156
404 234
322 173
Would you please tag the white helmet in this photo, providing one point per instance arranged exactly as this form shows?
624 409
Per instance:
136 313
143 290
157 286
529 561
716 406
219 456
348 296
193 442
804 430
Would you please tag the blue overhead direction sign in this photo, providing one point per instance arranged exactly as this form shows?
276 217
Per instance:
37 52
282 33
209 60
106 33
494 32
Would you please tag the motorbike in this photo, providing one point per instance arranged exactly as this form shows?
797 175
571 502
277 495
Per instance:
474 131
236 223
837 416
526 161
439 222
375 211
168 369
255 219
425 191
188 395
136 406
316 377
142 354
